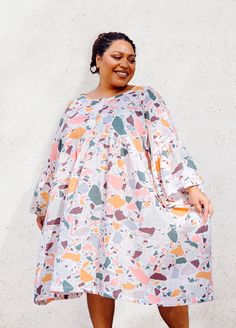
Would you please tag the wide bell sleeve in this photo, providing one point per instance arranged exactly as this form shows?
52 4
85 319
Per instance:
172 166
45 181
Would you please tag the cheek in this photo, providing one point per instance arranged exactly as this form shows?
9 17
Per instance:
110 63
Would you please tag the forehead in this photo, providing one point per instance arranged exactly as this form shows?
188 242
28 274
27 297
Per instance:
121 46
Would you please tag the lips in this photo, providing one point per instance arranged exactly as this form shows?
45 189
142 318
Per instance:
121 73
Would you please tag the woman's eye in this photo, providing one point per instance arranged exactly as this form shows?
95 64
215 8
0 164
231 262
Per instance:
132 60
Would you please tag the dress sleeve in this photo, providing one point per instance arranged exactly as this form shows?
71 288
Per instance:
172 166
45 181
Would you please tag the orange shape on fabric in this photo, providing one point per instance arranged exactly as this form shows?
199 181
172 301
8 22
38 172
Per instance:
116 225
82 201
176 292
177 251
104 167
85 264
119 271
98 118
77 133
179 211
45 196
116 201
128 285
138 144
88 109
85 276
72 256
72 184
165 123
203 274
120 162
47 277
158 164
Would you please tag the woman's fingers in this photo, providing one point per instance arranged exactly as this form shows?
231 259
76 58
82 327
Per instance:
210 209
198 208
201 203
205 203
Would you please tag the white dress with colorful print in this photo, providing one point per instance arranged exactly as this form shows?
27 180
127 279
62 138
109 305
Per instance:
117 222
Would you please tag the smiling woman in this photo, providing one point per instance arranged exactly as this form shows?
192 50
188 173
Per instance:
114 58
120 201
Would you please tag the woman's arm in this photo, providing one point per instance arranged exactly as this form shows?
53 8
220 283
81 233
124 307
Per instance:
173 167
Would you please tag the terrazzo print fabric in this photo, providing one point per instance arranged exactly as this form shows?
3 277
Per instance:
117 222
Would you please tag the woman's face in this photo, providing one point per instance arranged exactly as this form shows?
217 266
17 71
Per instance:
119 57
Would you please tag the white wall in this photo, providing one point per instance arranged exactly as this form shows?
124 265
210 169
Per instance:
186 50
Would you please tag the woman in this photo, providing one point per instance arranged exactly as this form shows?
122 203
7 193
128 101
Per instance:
120 202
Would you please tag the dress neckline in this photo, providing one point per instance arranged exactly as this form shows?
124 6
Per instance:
107 98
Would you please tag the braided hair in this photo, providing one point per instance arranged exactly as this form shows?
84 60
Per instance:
103 42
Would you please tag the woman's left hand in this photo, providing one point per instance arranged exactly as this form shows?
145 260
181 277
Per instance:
200 202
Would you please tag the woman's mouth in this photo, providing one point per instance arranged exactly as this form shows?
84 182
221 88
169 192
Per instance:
121 74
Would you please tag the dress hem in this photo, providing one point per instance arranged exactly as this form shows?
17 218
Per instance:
72 295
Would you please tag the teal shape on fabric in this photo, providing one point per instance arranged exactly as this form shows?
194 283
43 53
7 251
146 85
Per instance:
78 247
90 258
173 235
94 217
95 195
118 125
61 121
106 295
61 193
60 145
67 287
151 94
66 224
99 276
107 262
128 199
164 153
191 243
92 143
139 204
123 152
58 260
147 115
190 279
141 176
181 260
191 164
94 102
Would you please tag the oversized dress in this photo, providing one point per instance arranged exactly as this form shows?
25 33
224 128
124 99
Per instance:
117 220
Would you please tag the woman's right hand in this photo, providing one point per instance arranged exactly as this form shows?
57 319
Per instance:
40 221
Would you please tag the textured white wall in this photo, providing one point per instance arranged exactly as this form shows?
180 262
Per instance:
186 50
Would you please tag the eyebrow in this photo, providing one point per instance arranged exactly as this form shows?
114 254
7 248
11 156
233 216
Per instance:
122 52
